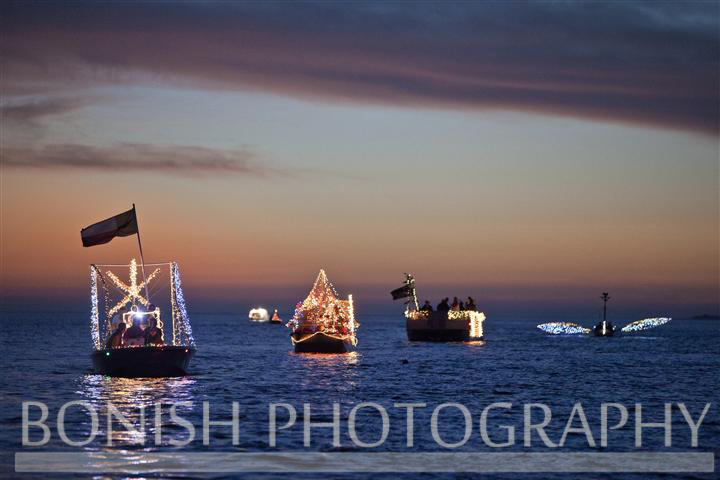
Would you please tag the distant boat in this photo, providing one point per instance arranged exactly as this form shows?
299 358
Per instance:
603 328
438 326
122 354
258 315
275 318
324 323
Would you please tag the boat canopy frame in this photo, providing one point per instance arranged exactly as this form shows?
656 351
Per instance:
181 329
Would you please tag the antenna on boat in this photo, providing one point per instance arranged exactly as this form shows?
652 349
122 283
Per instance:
142 258
605 297
410 281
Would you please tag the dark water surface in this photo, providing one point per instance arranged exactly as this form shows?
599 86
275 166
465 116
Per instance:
45 358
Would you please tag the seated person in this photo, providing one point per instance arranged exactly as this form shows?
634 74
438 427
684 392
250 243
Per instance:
116 339
153 335
426 307
134 336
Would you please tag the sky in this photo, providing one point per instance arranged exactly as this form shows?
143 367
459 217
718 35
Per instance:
531 154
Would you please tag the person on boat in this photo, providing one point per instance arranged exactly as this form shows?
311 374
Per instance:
470 305
134 336
153 335
426 307
455 305
116 339
443 306
462 306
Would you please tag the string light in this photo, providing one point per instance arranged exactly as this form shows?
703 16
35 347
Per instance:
182 331
133 290
563 328
94 312
476 320
322 312
645 324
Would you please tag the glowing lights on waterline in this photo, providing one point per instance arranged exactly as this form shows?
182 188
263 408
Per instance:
474 319
563 328
566 328
645 324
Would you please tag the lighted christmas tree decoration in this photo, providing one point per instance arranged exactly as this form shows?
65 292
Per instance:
323 322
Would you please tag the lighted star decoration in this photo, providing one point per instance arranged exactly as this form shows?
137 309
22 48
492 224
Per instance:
132 291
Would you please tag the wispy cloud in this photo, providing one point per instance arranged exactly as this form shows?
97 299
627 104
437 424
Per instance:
130 157
650 63
31 110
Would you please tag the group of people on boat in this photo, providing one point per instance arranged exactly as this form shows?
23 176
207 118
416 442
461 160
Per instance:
445 306
143 331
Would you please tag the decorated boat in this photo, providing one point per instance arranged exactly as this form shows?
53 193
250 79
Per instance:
258 315
276 318
603 328
131 336
323 322
427 325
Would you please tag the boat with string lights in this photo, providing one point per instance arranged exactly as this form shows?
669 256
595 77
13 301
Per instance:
130 335
604 328
323 322
258 315
425 325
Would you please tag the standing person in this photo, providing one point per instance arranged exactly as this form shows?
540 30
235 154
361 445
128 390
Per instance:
443 305
426 307
462 306
470 305
455 305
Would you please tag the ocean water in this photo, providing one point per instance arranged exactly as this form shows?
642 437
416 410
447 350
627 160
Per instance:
46 359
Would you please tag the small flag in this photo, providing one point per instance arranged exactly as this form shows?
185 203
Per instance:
402 292
121 225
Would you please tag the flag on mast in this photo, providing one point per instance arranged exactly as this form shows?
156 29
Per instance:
402 292
121 225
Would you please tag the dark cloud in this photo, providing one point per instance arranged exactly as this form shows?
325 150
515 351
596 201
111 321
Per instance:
652 63
130 157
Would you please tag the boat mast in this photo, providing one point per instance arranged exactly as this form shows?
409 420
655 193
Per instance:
605 297
410 282
142 258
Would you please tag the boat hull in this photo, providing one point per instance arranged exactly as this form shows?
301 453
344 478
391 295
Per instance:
439 335
159 361
437 327
321 343
599 331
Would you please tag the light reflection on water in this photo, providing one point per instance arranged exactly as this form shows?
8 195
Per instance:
319 370
135 399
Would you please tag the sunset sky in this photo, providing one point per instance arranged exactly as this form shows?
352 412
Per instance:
533 154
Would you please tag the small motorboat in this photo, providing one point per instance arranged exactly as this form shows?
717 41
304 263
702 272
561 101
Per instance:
120 338
258 315
438 326
276 318
324 323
